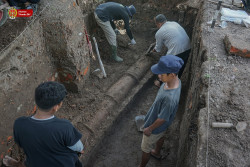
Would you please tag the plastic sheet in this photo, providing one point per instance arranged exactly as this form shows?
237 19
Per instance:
235 16
233 13
246 22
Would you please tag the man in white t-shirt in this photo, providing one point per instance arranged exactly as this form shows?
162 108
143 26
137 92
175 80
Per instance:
174 37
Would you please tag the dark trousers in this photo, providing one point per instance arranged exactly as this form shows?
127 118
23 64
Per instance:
78 163
184 56
16 2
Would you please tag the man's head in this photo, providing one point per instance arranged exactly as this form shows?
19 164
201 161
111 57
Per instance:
168 67
49 94
131 10
160 20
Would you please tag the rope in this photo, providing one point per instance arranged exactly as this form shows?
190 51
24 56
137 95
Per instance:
208 93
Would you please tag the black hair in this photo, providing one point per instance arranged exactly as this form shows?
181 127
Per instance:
49 94
173 73
160 18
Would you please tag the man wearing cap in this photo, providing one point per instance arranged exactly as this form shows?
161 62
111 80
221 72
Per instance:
162 112
46 139
174 37
106 14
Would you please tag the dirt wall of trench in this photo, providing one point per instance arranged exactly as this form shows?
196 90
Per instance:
49 46
195 98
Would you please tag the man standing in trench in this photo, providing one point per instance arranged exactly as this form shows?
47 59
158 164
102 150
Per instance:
106 14
47 140
174 37
163 110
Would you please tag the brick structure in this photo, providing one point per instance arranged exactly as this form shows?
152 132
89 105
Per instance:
237 46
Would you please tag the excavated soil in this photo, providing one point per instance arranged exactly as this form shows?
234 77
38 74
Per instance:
10 30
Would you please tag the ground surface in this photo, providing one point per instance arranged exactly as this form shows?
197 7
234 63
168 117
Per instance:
9 33
229 94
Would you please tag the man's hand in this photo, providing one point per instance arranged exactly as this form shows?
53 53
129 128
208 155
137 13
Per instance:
147 131
80 153
132 42
117 32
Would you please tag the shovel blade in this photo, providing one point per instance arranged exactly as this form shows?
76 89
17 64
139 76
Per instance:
139 121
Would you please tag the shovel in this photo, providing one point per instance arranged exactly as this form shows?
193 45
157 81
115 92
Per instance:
241 126
139 121
150 48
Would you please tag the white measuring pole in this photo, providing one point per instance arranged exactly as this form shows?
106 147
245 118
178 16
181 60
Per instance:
99 58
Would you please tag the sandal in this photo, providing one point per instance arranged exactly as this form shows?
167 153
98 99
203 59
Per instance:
158 157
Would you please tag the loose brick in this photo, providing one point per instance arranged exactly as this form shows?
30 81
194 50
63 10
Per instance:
237 46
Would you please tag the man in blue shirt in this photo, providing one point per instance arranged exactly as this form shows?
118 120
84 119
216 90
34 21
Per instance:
106 14
47 140
163 110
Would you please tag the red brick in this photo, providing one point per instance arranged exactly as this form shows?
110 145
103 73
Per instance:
237 46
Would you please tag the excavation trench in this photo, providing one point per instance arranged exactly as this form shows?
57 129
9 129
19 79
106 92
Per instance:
120 144
103 110
54 47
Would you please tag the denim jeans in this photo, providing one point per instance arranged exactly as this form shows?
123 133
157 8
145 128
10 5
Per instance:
15 2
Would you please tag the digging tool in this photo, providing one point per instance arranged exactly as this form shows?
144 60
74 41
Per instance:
222 125
150 48
139 121
216 14
99 58
239 127
154 55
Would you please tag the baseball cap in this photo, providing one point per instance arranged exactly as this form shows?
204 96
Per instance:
131 10
167 64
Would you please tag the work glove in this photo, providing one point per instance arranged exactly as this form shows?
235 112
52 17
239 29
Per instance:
132 42
117 32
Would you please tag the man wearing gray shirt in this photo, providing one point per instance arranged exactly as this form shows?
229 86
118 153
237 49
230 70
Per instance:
174 37
162 112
